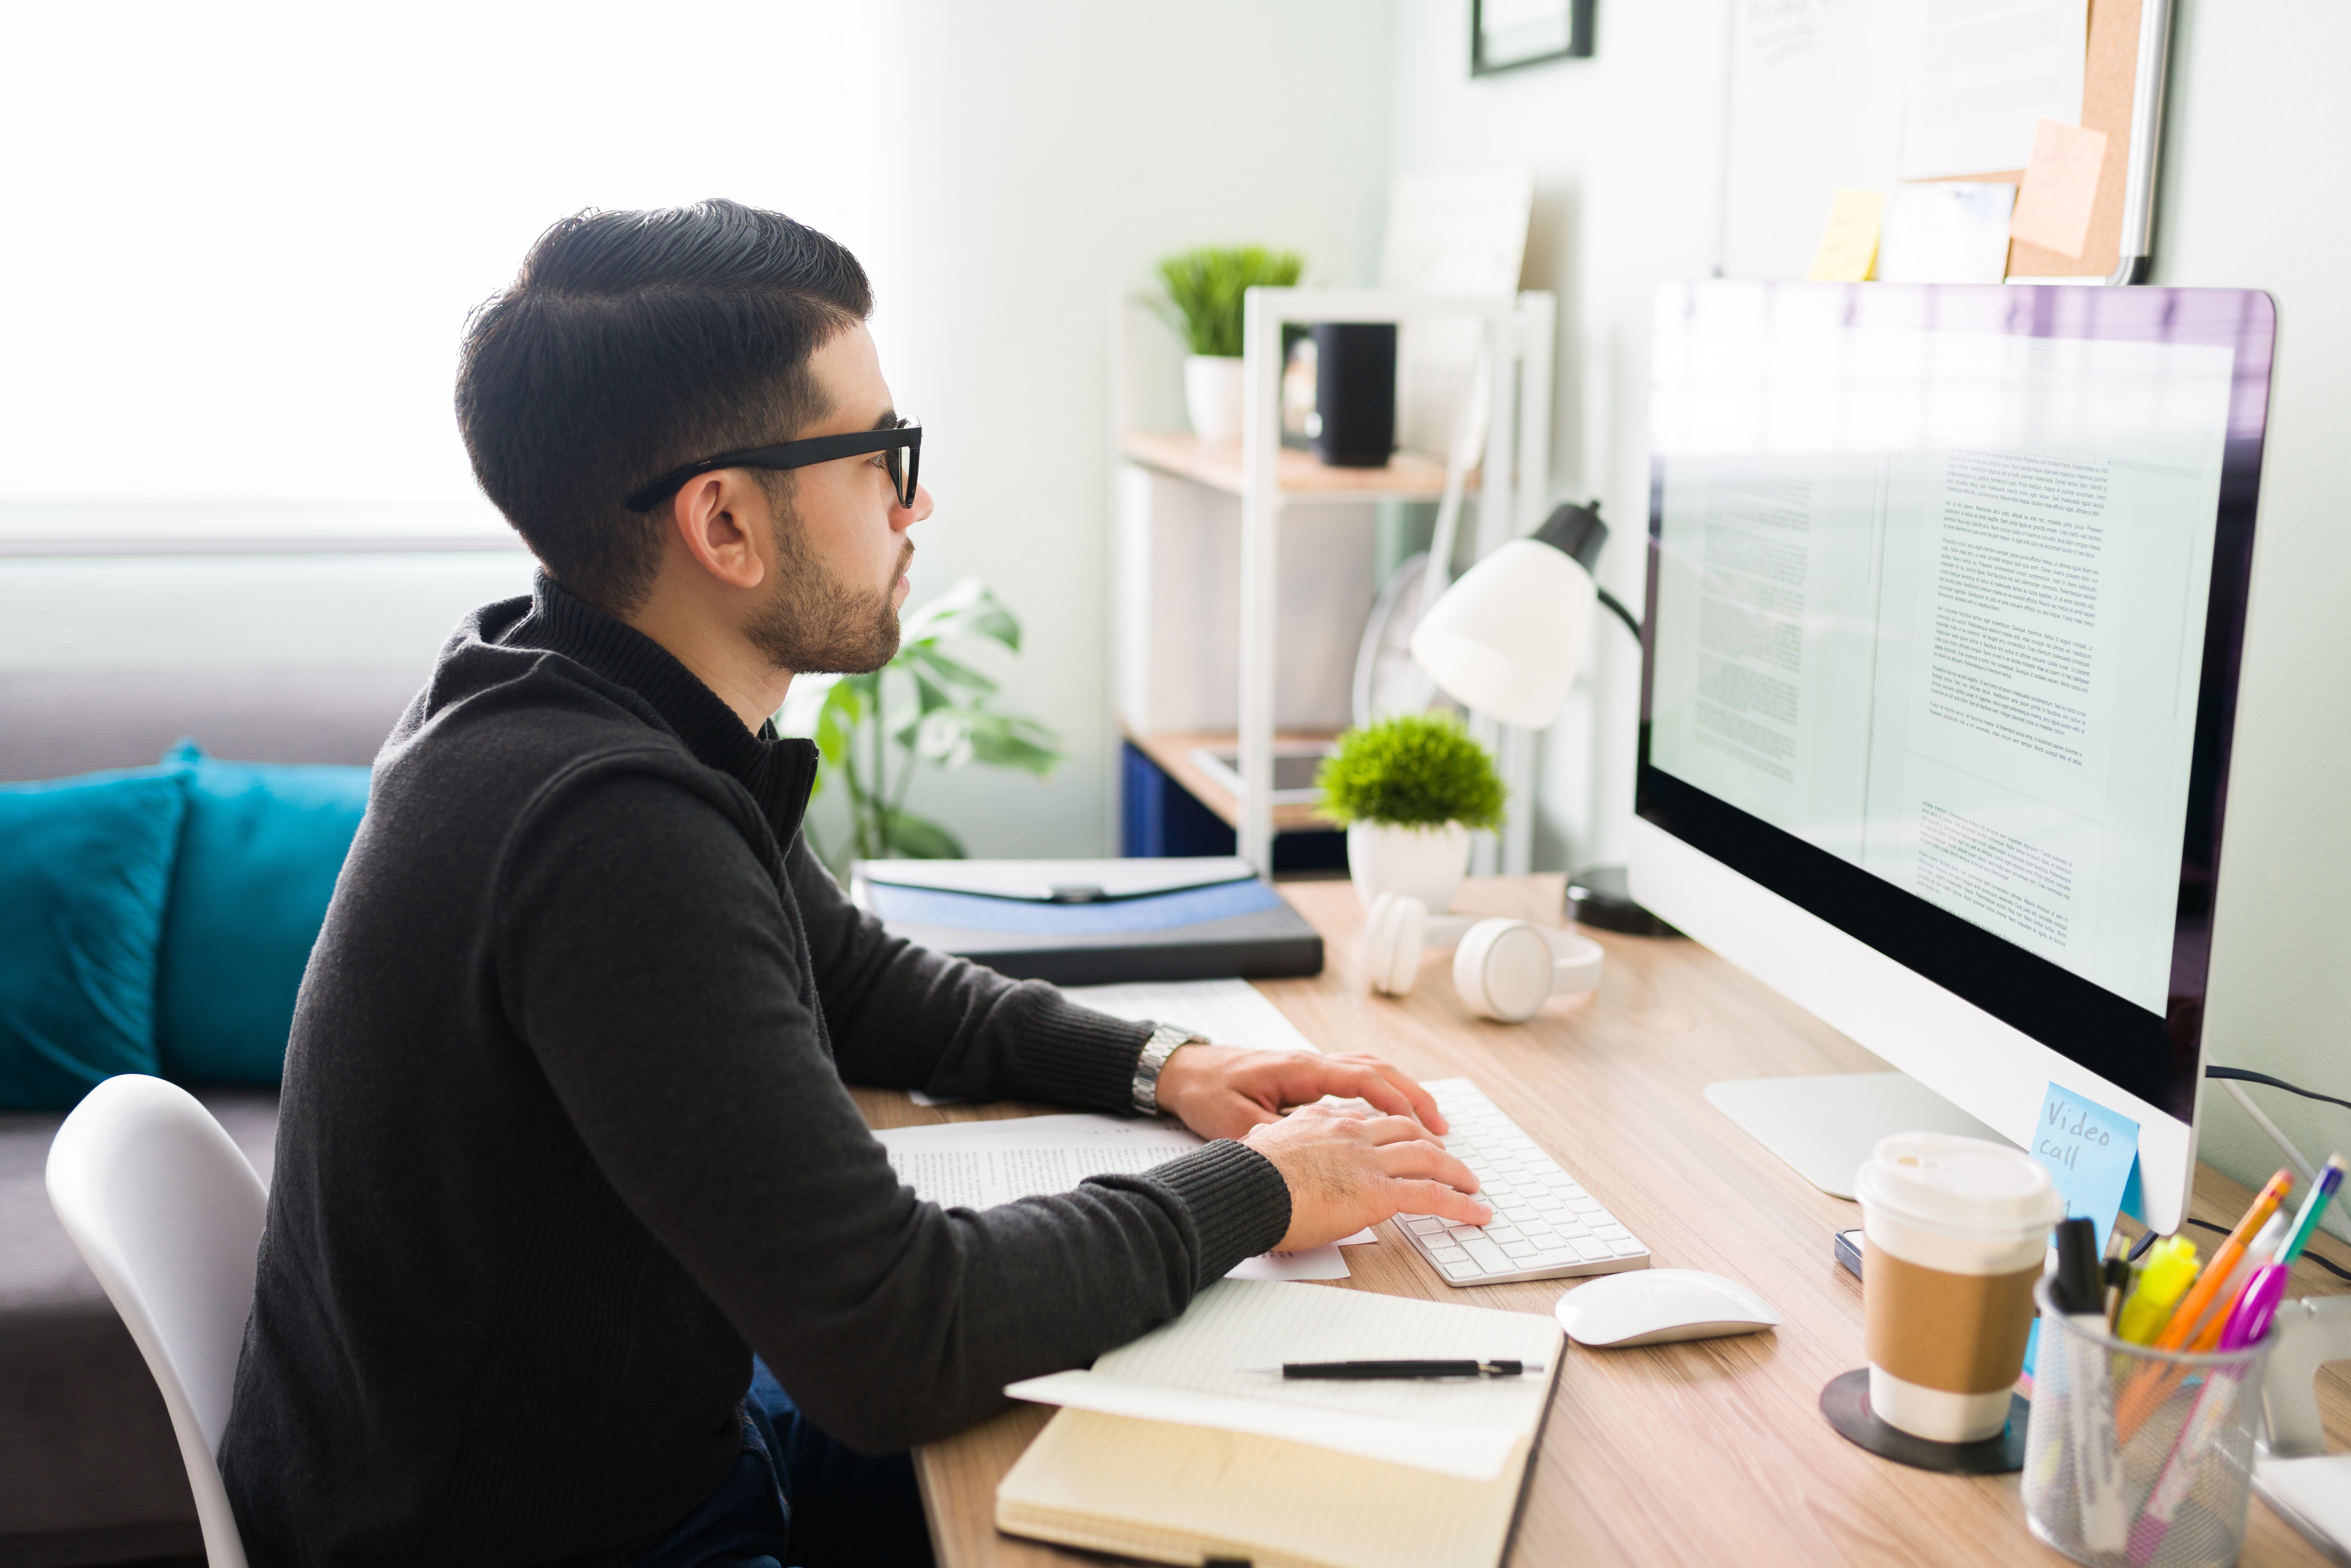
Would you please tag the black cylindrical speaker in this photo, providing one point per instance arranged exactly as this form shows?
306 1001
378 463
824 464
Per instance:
1354 392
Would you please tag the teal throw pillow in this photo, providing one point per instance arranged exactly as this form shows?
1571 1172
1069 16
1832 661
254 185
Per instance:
258 857
85 868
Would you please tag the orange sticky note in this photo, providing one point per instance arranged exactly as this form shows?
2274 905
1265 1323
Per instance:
2052 209
1849 245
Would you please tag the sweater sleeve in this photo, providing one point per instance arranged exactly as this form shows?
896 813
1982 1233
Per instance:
903 1016
647 962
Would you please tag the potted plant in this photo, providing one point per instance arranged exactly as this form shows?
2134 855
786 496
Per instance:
1205 291
1409 789
937 712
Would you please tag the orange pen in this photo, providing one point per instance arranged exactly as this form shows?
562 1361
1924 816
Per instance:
2147 1390
2183 1322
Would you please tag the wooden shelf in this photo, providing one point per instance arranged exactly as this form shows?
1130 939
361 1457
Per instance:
1173 753
1409 476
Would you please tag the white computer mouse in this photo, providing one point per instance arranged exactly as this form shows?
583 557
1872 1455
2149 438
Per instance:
1657 1306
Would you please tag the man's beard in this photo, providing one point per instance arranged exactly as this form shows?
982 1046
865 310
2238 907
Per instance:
813 625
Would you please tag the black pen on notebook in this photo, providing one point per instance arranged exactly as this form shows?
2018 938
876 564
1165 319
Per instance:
1351 1369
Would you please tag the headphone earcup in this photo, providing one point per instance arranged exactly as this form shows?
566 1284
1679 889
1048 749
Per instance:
1503 970
1391 943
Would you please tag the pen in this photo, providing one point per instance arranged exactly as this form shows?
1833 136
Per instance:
2078 1290
2207 1293
2264 1251
2330 1178
1354 1369
2213 1406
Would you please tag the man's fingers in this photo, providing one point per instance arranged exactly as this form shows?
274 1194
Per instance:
1435 1197
1424 1160
1392 1130
1394 1091
1424 1103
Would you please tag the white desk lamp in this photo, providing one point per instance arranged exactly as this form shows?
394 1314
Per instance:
1506 640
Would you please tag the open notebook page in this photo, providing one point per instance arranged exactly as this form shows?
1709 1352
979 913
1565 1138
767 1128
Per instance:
1194 1372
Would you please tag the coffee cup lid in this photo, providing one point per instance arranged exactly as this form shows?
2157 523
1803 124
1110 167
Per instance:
1967 1185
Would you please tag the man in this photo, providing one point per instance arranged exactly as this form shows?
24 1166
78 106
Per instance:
565 1138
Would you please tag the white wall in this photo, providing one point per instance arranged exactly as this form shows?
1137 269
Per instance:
2255 92
1627 153
1626 150
1041 157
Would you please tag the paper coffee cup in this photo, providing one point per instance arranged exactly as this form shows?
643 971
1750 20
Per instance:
1957 1230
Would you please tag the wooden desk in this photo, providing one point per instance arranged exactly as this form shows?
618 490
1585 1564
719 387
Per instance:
1705 1453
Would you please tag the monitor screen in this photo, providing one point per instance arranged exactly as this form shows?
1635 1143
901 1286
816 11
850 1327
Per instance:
1946 598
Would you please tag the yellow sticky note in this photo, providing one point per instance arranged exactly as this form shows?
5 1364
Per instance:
2052 208
1849 246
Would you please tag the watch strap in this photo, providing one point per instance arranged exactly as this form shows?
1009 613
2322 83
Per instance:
1163 1044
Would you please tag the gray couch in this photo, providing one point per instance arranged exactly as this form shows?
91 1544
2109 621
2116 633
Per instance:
89 1469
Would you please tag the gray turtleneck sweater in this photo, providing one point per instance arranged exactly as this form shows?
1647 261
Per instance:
565 1138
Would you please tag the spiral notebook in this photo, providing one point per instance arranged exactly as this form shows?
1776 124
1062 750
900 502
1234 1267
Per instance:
1170 1450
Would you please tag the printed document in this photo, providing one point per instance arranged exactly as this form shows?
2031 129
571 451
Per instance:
1940 610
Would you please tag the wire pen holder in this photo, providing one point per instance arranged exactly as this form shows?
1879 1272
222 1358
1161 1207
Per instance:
2169 1494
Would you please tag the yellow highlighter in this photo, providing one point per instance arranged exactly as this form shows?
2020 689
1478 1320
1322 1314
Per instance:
2170 1266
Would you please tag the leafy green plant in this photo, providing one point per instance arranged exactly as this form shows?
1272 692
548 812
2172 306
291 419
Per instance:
1205 288
875 731
1415 769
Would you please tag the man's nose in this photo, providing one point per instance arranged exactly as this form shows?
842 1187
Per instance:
907 516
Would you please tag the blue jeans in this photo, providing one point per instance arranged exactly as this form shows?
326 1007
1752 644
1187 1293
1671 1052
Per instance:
797 1497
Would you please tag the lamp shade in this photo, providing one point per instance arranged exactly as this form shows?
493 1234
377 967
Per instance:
1506 639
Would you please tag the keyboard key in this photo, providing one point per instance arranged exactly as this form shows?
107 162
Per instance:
1425 1224
1461 1271
1610 1232
1447 1255
1627 1248
1521 1249
1488 1256
1593 1251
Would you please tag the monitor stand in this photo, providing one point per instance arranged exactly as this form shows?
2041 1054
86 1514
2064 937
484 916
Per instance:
1826 1125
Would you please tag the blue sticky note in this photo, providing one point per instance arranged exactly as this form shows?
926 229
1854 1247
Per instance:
2091 1153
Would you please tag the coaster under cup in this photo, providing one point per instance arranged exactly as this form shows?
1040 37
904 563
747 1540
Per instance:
1844 1400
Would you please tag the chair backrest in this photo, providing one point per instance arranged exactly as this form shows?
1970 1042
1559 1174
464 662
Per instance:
167 1212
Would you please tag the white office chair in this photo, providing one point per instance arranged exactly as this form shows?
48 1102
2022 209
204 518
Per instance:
167 1212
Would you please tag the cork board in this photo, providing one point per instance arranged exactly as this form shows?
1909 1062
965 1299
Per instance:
1816 105
2109 82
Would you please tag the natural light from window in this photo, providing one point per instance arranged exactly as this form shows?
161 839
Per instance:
244 239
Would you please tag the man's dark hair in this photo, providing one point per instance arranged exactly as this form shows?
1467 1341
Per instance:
633 343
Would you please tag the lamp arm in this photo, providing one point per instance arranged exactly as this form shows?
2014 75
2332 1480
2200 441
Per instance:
1616 604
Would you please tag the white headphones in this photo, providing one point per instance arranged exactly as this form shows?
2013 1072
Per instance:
1504 970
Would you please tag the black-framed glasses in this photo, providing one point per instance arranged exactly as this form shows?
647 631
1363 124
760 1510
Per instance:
902 441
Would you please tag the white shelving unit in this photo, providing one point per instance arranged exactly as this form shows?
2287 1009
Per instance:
1199 554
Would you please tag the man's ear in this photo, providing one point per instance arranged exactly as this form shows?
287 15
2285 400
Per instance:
721 520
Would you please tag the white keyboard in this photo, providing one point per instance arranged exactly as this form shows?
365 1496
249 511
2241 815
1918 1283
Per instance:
1546 1227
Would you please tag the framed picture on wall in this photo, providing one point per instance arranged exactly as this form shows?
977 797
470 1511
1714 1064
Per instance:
1504 34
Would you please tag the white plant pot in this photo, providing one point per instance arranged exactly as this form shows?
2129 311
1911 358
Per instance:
1426 863
1212 395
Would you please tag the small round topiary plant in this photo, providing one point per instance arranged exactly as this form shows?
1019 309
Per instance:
1416 769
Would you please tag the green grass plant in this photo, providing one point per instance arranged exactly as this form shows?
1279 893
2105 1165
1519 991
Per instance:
1416 769
1205 288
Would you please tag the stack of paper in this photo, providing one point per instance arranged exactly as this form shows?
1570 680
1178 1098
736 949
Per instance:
1170 1449
978 1165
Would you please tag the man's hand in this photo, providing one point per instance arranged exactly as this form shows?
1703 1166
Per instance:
1223 1090
1349 1168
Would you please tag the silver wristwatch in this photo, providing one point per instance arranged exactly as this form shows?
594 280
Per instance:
1147 1067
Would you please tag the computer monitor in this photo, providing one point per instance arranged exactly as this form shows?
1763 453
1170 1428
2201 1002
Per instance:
1946 594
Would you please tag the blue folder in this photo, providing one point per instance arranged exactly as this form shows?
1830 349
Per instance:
1237 928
